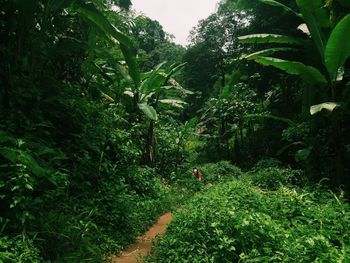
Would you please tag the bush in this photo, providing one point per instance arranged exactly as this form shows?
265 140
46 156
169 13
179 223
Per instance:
215 172
267 163
236 222
274 177
19 249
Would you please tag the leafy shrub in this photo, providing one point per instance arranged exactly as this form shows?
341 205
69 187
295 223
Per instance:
267 163
144 181
19 249
215 172
274 177
236 222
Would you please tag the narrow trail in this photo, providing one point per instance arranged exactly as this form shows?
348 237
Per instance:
144 243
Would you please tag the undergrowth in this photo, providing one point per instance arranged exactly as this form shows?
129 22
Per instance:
240 222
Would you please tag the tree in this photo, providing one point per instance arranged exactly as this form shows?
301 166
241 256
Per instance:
320 80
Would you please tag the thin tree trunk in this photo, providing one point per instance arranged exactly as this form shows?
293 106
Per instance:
149 153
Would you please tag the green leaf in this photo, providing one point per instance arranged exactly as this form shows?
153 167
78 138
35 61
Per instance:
133 67
173 102
315 17
338 47
270 116
303 155
270 51
153 82
278 4
270 38
175 68
329 106
91 13
308 74
149 111
179 88
19 156
129 93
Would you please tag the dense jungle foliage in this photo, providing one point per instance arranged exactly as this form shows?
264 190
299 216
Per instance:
103 117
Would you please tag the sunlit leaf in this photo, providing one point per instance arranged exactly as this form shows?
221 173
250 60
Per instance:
329 106
267 52
173 102
149 111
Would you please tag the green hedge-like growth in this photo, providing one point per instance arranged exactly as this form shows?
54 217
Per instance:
238 222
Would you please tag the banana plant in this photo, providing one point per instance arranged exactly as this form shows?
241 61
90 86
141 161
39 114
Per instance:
333 51
331 41
150 89
153 88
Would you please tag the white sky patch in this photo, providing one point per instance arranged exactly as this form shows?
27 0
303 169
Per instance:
177 17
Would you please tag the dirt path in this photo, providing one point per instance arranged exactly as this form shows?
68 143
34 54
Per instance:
143 244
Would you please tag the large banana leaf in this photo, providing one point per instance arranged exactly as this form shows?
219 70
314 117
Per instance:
329 106
308 74
91 13
278 4
149 111
338 47
131 61
270 38
153 82
315 17
269 51
173 102
176 67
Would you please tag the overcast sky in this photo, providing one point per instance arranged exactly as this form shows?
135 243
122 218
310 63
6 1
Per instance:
177 17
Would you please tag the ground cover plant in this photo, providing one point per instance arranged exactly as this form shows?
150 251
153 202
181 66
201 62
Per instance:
240 222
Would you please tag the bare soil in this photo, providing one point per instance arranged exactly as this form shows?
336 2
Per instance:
144 243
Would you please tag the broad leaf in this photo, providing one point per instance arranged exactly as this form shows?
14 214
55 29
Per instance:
129 93
329 106
270 51
270 38
303 154
338 47
19 156
315 17
149 111
173 102
91 13
178 88
278 4
308 74
175 68
130 59
153 82
288 146
270 116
